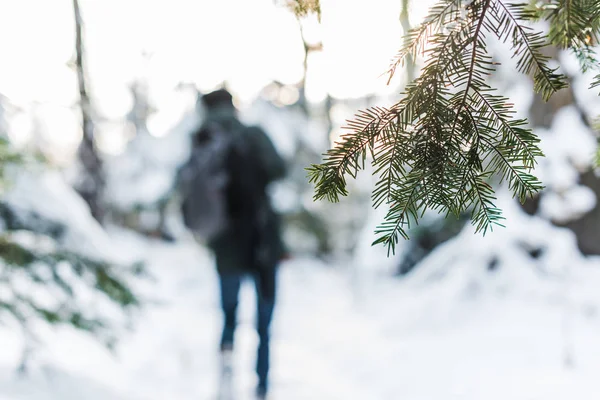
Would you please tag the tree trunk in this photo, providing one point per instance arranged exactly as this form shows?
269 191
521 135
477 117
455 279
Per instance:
91 184
405 22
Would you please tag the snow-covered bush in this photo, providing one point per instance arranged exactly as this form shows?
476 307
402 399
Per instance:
57 264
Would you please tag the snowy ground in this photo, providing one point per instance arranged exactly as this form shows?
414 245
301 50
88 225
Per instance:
383 339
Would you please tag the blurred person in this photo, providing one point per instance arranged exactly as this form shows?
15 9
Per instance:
230 209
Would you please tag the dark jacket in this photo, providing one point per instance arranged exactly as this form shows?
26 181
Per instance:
252 242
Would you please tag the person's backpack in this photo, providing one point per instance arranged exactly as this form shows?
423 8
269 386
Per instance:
222 186
203 181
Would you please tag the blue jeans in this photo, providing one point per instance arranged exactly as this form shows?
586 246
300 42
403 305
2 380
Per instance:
265 294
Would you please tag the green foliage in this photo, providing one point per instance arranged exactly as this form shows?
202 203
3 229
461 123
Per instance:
574 25
441 146
59 272
13 254
7 157
596 81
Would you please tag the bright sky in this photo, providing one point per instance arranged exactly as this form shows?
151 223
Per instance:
247 43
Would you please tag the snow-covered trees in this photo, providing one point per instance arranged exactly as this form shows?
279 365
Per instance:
57 265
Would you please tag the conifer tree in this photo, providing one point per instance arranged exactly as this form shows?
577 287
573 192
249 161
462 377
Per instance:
45 283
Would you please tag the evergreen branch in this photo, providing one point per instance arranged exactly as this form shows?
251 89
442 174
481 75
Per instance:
518 181
595 82
398 215
387 163
574 25
471 70
527 46
349 154
525 137
566 30
477 191
417 37
485 214
43 269
456 54
438 147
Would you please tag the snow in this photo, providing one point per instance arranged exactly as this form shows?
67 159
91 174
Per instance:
145 173
480 318
574 204
451 330
36 194
569 150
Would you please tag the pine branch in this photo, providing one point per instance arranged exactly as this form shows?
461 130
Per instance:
574 25
439 147
527 46
500 112
389 168
518 180
398 217
485 214
471 70
349 154
596 81
439 16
